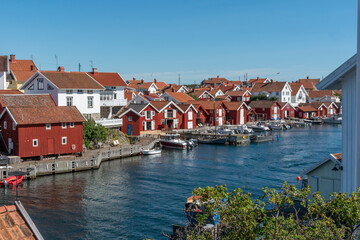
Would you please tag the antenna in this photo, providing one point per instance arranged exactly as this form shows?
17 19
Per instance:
56 58
91 64
79 67
179 79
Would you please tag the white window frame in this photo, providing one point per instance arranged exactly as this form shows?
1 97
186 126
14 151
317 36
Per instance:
14 126
63 125
90 100
48 126
69 101
62 140
40 83
72 125
130 119
5 125
35 142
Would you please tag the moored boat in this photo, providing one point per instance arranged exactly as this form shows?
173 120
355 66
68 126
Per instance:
12 180
213 141
261 138
333 120
151 152
259 127
173 141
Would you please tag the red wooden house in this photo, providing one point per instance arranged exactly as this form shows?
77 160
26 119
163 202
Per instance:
170 116
189 116
200 115
239 96
213 108
266 110
332 108
202 95
321 108
236 112
306 112
287 110
138 117
42 130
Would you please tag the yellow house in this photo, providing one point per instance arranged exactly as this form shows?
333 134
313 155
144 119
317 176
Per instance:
20 71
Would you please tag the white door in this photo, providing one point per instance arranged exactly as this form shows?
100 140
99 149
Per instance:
190 114
286 114
10 145
190 125
153 125
220 121
242 116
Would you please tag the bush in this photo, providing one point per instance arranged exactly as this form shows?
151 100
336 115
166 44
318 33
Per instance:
93 132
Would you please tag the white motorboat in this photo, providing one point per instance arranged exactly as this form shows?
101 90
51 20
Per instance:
245 130
151 152
173 141
259 127
333 120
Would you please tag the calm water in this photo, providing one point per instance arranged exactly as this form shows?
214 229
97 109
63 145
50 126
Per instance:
141 197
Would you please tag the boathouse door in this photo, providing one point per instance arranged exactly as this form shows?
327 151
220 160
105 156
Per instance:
51 147
130 130
10 145
241 116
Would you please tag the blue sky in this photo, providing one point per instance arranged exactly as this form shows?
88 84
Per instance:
197 39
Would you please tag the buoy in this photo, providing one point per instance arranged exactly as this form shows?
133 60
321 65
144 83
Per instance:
298 178
310 126
140 153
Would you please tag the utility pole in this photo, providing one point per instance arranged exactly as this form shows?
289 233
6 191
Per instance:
179 79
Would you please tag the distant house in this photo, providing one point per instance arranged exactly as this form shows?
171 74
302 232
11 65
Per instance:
201 114
266 110
175 88
323 96
41 130
325 175
216 92
280 90
217 81
67 89
287 110
142 98
306 112
239 96
216 113
202 95
309 83
236 112
321 108
144 87
113 97
20 71
160 85
177 97
298 94
258 80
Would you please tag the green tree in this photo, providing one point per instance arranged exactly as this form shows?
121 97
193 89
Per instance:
194 96
262 97
284 214
93 132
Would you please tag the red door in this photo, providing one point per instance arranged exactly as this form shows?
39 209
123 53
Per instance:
51 146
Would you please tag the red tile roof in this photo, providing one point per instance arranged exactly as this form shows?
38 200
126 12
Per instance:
269 87
337 156
232 106
309 80
160 85
307 108
235 93
128 96
22 76
10 92
13 225
159 104
295 88
320 93
27 100
180 96
257 80
185 106
313 104
108 79
23 65
40 114
262 104
71 80
208 105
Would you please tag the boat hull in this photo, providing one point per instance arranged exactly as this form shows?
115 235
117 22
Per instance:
150 152
173 145
12 180
213 141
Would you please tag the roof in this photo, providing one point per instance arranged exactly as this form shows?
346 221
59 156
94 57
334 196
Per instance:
146 85
3 64
22 76
199 93
15 223
236 93
295 88
208 105
128 96
27 100
185 106
257 80
44 114
160 85
152 97
71 80
215 80
262 104
138 107
316 105
10 91
108 78
233 106
269 87
283 104
180 96
159 105
335 157
307 108
320 93
22 65
309 80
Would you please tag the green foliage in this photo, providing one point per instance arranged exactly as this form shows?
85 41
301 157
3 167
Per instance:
93 132
262 97
284 214
194 96
338 95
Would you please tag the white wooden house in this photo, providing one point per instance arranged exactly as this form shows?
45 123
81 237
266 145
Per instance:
280 90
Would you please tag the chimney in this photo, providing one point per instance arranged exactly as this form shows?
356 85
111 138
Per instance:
142 81
217 76
32 68
61 69
134 78
307 77
155 81
95 71
12 58
173 90
258 78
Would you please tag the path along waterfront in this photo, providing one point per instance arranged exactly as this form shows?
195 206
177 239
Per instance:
140 197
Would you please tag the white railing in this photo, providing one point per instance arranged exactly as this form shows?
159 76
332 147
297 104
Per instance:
114 102
110 122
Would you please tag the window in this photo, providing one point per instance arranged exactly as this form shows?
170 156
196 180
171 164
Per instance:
48 126
69 91
31 87
14 126
49 87
80 91
40 83
90 91
69 101
5 125
130 119
72 125
90 102
35 142
113 88
114 95
63 125
63 140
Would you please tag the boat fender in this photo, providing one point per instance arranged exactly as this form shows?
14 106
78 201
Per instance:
298 178
5 182
73 147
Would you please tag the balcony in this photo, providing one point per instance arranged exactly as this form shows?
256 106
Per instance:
110 123
113 102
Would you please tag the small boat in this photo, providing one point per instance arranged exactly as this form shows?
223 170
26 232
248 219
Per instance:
213 141
245 130
313 121
173 141
275 126
12 180
261 138
151 152
259 127
333 120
